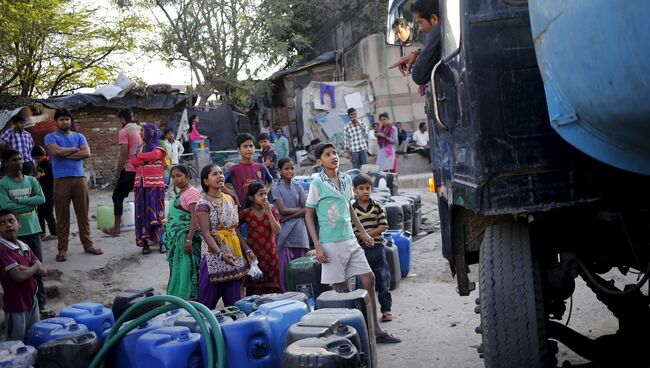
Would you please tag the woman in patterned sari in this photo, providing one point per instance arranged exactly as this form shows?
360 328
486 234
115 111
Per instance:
181 237
223 253
149 190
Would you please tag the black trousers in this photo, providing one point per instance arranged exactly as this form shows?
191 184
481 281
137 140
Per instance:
46 213
122 189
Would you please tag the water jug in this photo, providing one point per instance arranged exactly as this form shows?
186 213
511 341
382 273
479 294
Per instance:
280 315
123 354
247 304
392 257
274 297
349 317
15 354
185 319
129 297
169 347
303 275
417 210
232 312
248 342
322 352
106 216
403 242
394 215
380 197
95 316
304 181
322 328
52 328
407 210
358 299
74 351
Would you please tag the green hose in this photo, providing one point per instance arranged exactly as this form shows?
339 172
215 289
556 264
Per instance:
197 310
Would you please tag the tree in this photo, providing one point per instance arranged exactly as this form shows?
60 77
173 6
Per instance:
50 47
222 41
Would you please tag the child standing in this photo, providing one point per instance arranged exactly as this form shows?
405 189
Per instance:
336 246
289 199
173 147
263 222
373 219
46 179
19 266
268 156
246 171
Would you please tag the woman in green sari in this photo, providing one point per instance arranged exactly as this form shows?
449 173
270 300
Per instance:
181 237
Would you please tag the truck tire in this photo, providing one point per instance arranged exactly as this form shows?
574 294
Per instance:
513 324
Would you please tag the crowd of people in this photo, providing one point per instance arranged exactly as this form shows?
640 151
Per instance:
248 214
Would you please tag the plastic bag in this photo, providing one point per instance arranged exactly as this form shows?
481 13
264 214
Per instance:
254 272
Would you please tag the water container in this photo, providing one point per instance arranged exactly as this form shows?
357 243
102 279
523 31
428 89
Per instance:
169 347
322 352
95 316
274 297
348 317
233 312
248 343
394 215
417 210
280 315
74 351
357 299
247 304
407 210
403 241
303 275
106 216
185 319
15 354
129 297
392 257
380 197
321 328
123 354
304 181
53 328
301 155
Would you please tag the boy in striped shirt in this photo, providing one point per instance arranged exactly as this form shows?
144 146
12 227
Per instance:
373 219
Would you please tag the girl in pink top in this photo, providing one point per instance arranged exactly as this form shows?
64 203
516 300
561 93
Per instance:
149 190
194 131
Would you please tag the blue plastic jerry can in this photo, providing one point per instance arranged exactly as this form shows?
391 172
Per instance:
404 244
168 347
95 316
52 328
248 343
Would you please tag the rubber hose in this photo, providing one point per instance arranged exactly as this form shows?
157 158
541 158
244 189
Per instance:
178 302
217 334
116 334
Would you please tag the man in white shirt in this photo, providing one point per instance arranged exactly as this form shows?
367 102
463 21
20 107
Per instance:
421 141
173 147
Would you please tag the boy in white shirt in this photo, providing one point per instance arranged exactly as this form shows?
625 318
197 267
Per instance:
173 147
421 141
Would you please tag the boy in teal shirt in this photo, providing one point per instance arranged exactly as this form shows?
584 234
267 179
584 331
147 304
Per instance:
23 194
336 246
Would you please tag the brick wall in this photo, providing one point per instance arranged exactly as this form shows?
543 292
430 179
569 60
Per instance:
100 126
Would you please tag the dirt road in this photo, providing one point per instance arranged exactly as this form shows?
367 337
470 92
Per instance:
436 325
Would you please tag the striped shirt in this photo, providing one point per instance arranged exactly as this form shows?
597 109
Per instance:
21 142
370 218
242 174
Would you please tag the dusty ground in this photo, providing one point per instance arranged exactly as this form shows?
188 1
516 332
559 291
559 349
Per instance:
436 325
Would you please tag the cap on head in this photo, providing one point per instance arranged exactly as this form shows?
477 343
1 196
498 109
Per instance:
318 152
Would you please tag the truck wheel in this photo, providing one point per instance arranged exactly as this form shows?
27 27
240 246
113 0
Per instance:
513 324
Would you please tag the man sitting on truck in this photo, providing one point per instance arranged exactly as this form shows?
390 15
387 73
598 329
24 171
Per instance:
420 62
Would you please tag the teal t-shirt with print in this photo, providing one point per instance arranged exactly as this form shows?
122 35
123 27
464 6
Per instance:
332 207
23 197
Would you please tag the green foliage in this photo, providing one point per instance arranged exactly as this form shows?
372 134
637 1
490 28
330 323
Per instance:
50 47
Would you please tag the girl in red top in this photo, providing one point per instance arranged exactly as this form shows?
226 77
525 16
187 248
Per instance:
149 190
263 226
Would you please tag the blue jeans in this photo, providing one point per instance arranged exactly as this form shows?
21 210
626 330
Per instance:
359 158
376 257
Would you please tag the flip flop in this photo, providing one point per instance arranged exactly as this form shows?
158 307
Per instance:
95 251
108 232
60 257
146 250
163 249
387 317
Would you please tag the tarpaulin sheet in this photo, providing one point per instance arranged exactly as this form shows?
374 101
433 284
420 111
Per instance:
80 100
218 124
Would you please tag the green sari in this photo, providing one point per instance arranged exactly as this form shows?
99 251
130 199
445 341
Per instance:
183 268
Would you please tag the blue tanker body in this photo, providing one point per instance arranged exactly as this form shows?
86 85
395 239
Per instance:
595 64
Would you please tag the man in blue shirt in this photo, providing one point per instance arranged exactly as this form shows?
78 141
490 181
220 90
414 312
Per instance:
68 150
